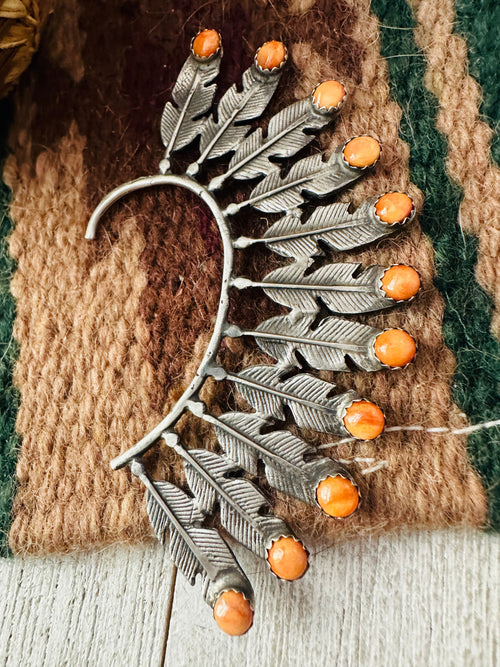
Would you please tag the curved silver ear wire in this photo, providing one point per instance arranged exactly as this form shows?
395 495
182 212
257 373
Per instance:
221 320
150 182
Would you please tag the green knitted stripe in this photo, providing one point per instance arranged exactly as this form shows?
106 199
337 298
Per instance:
9 398
468 309
479 23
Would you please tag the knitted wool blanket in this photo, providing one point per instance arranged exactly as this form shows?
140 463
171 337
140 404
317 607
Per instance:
99 339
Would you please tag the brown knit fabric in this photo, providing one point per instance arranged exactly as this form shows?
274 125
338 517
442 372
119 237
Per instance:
469 138
111 332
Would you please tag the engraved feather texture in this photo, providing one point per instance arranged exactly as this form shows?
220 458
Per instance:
240 502
235 109
285 137
332 225
194 549
342 287
307 397
193 97
311 174
282 453
324 348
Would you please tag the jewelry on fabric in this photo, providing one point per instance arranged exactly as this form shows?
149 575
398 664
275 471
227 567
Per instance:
292 466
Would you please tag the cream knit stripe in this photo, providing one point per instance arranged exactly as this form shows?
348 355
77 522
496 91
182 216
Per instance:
423 483
85 389
469 139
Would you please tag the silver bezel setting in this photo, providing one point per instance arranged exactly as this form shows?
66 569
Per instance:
328 110
368 166
206 59
273 70
397 223
345 475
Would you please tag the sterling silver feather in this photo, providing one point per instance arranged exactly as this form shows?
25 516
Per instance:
194 549
342 288
193 94
241 503
219 136
324 348
288 132
331 225
308 398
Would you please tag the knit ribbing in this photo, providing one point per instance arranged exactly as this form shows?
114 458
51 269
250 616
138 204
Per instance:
467 317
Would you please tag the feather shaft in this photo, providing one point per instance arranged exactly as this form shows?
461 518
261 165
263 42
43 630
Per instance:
223 136
281 452
178 526
308 287
213 482
301 340
182 114
240 501
194 549
258 447
311 174
285 137
192 95
343 287
305 395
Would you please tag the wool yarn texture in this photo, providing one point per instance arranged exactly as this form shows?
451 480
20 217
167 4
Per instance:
468 312
109 334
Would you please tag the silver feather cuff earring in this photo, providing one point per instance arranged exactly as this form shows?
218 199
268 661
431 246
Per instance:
297 339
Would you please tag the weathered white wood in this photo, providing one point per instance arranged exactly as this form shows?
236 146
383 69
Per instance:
422 599
106 608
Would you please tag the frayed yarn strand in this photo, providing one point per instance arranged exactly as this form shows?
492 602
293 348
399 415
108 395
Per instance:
377 465
436 430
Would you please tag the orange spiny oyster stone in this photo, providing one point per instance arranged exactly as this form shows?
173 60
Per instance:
395 348
364 420
394 207
206 43
400 282
287 558
271 55
328 95
233 613
337 496
362 151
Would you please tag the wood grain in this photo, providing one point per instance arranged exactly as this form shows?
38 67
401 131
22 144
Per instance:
427 599
104 608
422 599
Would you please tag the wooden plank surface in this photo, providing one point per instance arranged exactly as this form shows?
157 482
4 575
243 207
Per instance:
422 599
106 608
